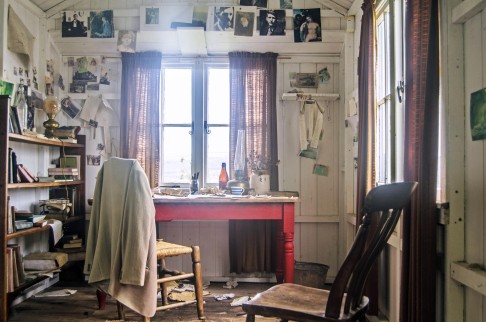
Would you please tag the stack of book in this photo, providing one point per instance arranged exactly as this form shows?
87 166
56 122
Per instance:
15 268
44 261
63 174
71 243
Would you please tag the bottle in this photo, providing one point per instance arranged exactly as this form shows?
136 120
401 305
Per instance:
223 177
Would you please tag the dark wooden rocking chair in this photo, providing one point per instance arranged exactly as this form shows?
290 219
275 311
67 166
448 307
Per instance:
345 301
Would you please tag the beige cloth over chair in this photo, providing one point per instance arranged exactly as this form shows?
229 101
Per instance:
120 248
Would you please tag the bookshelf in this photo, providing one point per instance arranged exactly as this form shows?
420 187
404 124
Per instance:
73 223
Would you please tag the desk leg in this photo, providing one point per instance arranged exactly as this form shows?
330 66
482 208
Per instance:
279 258
288 242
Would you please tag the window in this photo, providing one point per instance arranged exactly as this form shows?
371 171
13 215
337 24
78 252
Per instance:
195 120
383 101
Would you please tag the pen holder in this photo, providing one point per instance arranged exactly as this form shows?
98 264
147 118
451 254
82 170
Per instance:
194 186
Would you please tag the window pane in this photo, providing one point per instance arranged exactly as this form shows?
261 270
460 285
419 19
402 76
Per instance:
218 95
218 152
176 155
177 95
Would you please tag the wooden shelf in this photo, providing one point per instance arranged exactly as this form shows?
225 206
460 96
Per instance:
25 232
308 96
24 185
40 141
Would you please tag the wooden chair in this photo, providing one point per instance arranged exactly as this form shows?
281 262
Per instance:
165 275
345 301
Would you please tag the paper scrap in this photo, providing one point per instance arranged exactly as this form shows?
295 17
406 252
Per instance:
240 301
224 296
59 293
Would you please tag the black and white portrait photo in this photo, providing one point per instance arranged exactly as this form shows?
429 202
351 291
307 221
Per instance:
256 3
244 23
151 16
74 24
223 19
307 25
272 22
126 41
101 23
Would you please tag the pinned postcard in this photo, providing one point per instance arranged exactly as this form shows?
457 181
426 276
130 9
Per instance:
320 170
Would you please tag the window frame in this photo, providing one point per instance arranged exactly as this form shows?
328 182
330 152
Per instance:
199 116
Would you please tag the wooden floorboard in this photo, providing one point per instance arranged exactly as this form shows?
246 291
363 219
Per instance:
83 306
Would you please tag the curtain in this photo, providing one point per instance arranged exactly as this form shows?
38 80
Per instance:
366 128
253 108
418 285
139 109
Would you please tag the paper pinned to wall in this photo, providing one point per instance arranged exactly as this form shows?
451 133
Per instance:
19 39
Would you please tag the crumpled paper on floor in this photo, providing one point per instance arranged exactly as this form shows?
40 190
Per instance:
64 292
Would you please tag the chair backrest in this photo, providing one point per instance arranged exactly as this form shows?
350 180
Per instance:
386 203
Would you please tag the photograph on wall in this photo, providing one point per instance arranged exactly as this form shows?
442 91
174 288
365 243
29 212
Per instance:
70 107
306 80
6 88
77 87
478 115
101 24
105 75
256 3
244 23
127 40
85 69
285 4
221 19
200 16
152 16
307 25
37 98
74 24
272 22
161 18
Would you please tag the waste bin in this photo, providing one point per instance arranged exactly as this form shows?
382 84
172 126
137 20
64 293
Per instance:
310 274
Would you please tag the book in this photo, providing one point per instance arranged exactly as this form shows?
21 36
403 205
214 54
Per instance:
62 171
14 117
41 223
46 179
30 173
19 264
71 161
69 237
25 175
10 219
23 224
15 178
10 278
44 261
72 245
74 241
29 217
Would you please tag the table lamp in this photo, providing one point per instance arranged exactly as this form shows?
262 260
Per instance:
51 107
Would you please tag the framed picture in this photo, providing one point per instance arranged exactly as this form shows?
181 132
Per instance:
101 24
74 24
37 98
306 80
70 107
160 18
478 115
6 88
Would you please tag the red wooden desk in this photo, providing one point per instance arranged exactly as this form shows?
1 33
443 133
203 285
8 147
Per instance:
222 208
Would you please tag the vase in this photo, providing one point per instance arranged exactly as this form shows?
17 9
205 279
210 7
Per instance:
260 182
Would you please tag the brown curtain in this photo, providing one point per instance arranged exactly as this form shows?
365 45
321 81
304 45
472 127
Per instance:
253 108
418 287
140 106
366 128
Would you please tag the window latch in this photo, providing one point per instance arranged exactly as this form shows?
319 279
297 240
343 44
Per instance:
192 128
206 128
400 90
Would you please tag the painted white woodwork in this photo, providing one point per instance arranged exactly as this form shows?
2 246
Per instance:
467 9
471 276
305 96
474 163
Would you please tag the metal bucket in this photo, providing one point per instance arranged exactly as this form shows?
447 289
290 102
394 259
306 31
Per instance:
310 274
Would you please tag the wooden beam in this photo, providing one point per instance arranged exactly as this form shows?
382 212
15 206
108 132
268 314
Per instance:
63 5
29 5
334 6
466 10
472 276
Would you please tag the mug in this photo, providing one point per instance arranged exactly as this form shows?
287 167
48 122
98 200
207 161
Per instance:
238 191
